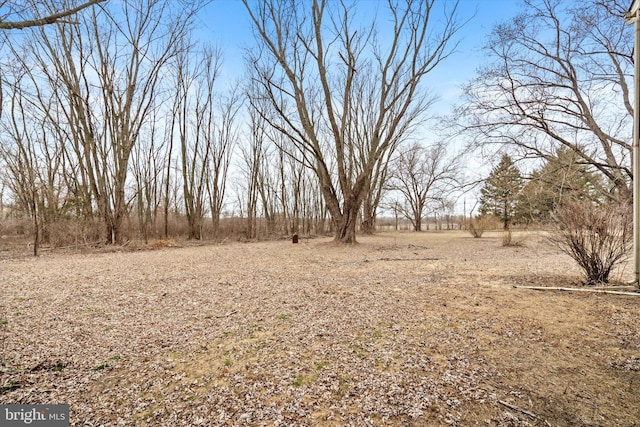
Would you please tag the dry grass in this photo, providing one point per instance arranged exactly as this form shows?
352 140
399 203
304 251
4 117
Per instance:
402 329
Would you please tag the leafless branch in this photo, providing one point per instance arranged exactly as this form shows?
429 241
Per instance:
47 20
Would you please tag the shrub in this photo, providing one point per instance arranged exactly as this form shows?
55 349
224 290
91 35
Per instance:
478 225
596 236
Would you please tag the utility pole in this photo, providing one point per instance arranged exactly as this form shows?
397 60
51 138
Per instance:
631 17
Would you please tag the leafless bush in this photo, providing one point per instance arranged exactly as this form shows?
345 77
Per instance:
73 231
478 225
597 237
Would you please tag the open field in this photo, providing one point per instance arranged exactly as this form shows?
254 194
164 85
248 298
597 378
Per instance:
403 329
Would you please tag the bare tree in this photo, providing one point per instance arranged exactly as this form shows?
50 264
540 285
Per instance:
559 77
271 183
130 57
105 77
148 162
253 154
443 206
375 192
422 174
19 152
36 169
310 204
318 70
192 100
222 133
204 121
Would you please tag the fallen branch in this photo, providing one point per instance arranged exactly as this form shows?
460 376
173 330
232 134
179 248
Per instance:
616 288
231 313
596 291
515 408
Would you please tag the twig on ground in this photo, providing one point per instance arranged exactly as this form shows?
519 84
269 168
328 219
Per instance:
231 313
515 408
603 332
597 291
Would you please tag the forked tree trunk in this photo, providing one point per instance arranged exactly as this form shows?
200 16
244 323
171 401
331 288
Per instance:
346 226
347 220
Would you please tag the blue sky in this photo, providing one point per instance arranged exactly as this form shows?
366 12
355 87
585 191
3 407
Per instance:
225 23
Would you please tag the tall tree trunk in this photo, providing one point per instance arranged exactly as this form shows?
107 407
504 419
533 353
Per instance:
347 220
36 226
346 225
505 218
368 225
417 222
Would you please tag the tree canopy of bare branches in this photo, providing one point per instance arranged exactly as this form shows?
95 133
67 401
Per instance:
423 174
343 94
95 85
559 76
205 128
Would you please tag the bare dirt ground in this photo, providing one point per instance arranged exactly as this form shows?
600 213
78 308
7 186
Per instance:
403 329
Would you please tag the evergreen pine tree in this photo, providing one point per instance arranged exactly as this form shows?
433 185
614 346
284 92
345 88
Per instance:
562 177
501 191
